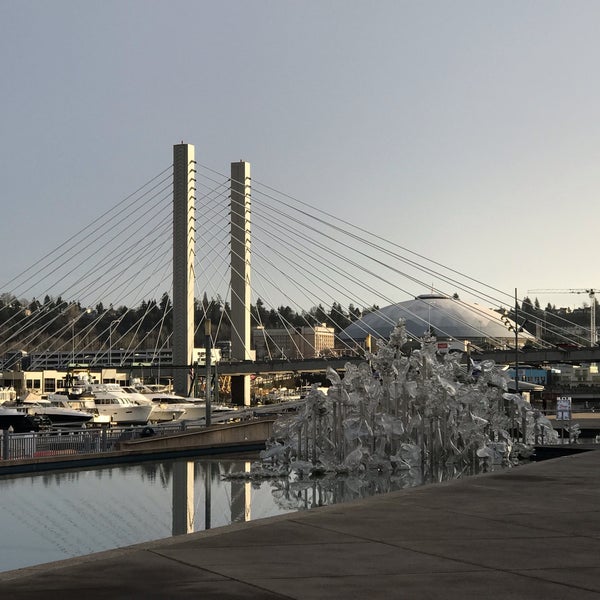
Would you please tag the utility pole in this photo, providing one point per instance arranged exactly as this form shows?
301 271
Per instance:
207 346
516 343
515 328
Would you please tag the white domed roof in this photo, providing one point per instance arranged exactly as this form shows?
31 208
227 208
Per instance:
445 317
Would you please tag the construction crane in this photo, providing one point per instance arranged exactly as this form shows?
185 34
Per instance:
591 292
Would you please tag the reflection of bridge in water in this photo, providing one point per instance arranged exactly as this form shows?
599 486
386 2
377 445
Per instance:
65 514
184 500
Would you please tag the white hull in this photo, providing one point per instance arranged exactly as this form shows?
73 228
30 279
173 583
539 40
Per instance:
166 414
109 405
164 402
125 415
62 417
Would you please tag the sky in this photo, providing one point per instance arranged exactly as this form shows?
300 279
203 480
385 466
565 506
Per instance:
466 131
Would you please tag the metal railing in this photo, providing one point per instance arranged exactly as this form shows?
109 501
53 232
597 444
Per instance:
70 441
66 442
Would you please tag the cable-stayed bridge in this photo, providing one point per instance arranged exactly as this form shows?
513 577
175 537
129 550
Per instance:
250 257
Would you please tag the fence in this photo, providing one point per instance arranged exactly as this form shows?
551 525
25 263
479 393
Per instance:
77 441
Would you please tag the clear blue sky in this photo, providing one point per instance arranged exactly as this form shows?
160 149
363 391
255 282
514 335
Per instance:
467 131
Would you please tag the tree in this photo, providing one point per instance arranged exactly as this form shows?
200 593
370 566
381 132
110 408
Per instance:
370 309
337 317
165 303
317 315
527 307
353 312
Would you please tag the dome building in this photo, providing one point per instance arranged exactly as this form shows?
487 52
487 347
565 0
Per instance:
445 317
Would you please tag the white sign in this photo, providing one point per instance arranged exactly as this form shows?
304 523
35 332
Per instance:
563 408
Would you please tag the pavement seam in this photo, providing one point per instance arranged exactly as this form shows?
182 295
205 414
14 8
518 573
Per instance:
220 575
518 572
479 567
571 586
476 566
534 526
558 535
500 521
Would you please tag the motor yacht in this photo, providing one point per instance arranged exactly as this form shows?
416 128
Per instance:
193 409
112 403
161 412
18 420
117 404
57 415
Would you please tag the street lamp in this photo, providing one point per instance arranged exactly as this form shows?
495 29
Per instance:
110 340
73 342
207 346
87 311
516 344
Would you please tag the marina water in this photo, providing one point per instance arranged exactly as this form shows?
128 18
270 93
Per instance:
56 515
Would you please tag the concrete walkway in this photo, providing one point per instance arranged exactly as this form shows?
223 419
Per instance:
527 533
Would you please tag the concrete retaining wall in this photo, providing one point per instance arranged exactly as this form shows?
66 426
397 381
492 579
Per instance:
217 435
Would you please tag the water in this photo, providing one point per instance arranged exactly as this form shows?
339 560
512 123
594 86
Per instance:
53 516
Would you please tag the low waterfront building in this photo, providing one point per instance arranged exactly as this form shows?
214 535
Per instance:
49 381
293 343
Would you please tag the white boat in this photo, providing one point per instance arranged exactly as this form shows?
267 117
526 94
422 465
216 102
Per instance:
106 402
116 403
164 400
19 420
193 410
59 416
161 412
80 404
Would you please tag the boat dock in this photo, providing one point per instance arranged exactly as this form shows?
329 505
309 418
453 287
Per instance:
527 533
75 452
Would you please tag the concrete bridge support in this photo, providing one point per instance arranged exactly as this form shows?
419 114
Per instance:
184 196
240 277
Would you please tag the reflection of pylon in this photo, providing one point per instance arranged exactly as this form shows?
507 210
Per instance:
239 501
